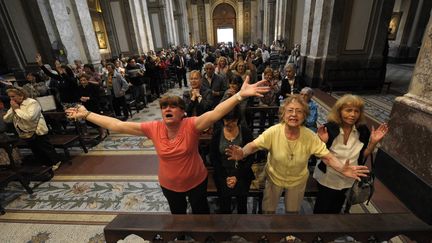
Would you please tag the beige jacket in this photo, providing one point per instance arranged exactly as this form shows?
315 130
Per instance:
26 117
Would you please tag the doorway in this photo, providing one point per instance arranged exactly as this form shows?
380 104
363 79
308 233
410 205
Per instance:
225 35
224 23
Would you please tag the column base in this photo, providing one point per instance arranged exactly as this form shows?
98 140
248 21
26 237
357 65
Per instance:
407 186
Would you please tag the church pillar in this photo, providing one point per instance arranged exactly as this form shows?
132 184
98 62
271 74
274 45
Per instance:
184 30
404 162
255 30
66 31
141 26
169 21
195 23
283 22
240 21
269 21
209 23
344 49
259 20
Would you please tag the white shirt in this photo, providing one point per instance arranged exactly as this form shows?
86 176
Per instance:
350 151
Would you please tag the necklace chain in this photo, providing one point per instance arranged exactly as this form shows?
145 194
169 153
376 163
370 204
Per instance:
292 150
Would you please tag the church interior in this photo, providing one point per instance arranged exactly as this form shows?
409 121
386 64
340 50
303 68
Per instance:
86 183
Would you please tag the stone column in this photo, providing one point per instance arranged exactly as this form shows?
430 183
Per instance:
148 37
209 23
255 35
283 21
195 26
169 21
259 19
266 23
62 25
404 161
240 21
184 20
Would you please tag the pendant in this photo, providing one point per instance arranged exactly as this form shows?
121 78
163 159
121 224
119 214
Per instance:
292 156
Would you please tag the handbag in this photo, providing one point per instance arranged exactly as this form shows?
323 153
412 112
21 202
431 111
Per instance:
361 191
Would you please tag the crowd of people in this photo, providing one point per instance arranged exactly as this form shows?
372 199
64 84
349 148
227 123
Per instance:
222 83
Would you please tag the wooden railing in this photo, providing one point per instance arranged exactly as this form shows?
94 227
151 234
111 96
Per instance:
307 228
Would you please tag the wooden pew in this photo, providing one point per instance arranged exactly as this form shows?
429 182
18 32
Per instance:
311 190
275 227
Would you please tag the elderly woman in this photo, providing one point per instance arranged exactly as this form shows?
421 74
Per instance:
289 146
311 121
348 138
182 173
26 115
291 84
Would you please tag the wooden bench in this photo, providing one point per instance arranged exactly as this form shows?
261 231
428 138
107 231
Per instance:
273 227
254 116
59 135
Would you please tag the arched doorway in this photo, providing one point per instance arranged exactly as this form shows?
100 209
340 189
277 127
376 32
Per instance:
224 23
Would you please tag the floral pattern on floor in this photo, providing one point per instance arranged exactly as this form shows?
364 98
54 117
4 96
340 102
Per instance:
94 196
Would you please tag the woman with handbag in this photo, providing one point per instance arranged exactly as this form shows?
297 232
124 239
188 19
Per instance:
348 138
26 115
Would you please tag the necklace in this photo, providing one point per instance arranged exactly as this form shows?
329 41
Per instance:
292 150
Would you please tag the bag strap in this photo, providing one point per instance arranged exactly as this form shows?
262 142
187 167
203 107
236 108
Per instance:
372 175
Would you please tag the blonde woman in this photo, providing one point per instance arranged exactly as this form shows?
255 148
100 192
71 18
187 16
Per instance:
349 139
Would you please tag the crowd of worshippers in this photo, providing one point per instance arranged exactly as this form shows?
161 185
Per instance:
216 76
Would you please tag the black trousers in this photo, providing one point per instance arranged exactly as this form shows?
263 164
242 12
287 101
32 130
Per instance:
181 74
120 102
197 198
329 201
43 151
226 201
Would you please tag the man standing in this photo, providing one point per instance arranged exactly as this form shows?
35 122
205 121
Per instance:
214 82
180 63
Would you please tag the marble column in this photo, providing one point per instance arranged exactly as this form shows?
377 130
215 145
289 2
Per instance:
269 21
258 25
404 161
141 26
62 26
169 21
209 23
195 26
184 20
148 37
253 22
240 22
283 21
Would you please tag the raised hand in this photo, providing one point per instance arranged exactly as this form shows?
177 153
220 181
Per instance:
378 134
256 89
354 171
76 112
322 133
234 152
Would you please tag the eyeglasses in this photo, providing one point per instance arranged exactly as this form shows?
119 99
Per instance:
294 111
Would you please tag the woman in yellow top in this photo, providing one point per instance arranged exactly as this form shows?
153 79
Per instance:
289 145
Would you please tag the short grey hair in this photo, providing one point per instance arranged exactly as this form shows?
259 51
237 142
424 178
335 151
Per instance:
307 90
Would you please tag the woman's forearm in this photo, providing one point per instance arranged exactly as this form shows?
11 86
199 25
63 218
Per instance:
249 149
333 162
